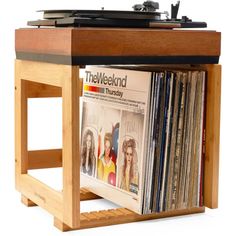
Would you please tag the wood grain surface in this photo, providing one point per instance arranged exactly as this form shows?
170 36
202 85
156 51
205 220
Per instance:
117 42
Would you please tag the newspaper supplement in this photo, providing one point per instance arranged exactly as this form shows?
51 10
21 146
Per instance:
114 121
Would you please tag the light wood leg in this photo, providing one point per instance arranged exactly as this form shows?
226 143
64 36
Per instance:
27 202
211 171
70 151
21 154
60 225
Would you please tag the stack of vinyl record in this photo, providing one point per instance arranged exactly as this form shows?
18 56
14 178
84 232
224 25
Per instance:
175 146
143 136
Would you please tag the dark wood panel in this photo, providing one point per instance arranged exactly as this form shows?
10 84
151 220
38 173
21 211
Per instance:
144 42
55 41
118 42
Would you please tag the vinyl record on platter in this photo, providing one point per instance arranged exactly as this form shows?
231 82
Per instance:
107 14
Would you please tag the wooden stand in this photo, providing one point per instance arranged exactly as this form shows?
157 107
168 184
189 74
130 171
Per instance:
43 79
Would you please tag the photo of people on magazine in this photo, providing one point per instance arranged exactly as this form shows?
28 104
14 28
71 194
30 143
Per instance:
131 135
89 144
129 173
106 170
88 158
108 144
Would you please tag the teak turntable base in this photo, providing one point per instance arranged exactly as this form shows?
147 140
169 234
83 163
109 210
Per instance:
42 79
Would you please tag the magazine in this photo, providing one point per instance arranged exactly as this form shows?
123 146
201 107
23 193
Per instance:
113 133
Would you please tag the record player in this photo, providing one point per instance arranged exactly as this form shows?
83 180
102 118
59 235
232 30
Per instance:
98 37
144 15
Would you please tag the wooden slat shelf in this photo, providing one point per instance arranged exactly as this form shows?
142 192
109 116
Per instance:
87 195
119 216
123 215
111 216
67 48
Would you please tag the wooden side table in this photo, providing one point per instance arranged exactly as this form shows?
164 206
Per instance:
47 65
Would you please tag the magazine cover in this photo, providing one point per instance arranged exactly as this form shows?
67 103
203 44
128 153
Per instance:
113 133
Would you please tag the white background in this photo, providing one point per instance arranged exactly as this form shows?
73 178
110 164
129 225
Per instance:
17 219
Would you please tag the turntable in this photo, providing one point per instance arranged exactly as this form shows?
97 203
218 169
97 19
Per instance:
143 16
